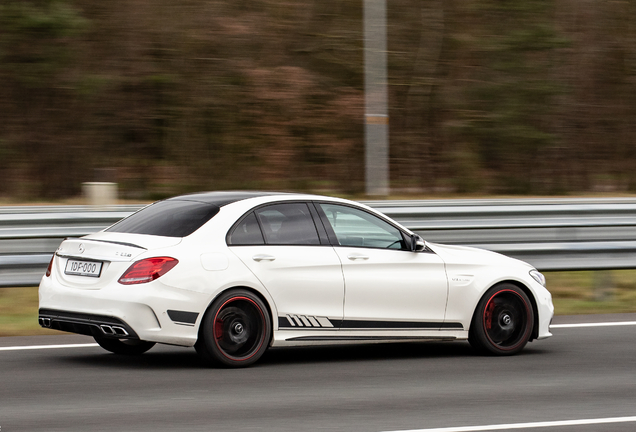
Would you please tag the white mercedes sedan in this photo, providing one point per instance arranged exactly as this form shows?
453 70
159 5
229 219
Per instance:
233 273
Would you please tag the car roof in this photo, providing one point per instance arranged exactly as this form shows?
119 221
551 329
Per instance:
223 198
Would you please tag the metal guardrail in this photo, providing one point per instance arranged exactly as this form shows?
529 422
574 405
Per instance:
29 235
551 234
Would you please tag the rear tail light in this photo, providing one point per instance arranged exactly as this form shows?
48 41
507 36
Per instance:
147 270
48 269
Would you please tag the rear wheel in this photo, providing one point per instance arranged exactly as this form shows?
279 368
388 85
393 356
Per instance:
503 321
235 330
123 346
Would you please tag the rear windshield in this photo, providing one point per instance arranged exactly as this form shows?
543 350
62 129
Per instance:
171 218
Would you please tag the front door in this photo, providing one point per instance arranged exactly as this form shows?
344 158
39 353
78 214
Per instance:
387 286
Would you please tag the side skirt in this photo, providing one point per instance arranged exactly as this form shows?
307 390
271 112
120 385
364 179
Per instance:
296 337
370 338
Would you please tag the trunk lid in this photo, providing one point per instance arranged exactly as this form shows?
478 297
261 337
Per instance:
96 260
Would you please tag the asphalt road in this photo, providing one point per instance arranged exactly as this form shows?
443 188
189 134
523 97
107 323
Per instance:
580 373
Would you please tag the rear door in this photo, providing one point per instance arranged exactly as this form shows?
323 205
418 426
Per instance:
291 256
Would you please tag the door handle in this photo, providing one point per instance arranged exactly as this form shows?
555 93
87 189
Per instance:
263 257
354 257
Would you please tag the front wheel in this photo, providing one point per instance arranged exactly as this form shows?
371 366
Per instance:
503 321
235 330
123 346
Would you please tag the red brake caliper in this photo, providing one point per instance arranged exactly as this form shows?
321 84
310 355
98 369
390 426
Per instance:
218 329
488 314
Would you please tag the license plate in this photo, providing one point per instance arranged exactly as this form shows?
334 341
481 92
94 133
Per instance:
83 268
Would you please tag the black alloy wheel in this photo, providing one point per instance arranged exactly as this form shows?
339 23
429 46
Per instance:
503 321
235 330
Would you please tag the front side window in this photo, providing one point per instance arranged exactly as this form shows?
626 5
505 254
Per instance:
357 228
288 224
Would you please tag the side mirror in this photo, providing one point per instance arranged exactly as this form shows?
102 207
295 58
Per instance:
417 243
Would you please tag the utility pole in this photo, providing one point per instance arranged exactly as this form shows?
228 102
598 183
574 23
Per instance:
376 99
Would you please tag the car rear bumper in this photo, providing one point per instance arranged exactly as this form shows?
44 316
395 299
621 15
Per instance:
86 324
151 312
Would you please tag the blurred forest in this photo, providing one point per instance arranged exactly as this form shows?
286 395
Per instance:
164 96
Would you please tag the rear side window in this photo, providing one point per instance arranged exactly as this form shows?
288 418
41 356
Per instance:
288 224
247 232
277 224
171 218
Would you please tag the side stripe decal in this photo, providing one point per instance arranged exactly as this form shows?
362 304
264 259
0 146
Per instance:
303 321
359 324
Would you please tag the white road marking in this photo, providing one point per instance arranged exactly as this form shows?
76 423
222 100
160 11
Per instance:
601 324
545 424
553 326
38 347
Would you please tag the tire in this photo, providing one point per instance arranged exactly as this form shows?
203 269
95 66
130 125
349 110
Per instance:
124 346
235 331
503 321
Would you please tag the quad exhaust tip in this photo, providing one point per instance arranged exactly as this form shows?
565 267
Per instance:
113 330
85 324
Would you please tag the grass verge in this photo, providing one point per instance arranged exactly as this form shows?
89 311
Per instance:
592 292
583 292
19 313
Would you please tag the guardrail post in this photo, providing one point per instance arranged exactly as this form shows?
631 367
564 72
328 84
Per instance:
100 193
603 285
